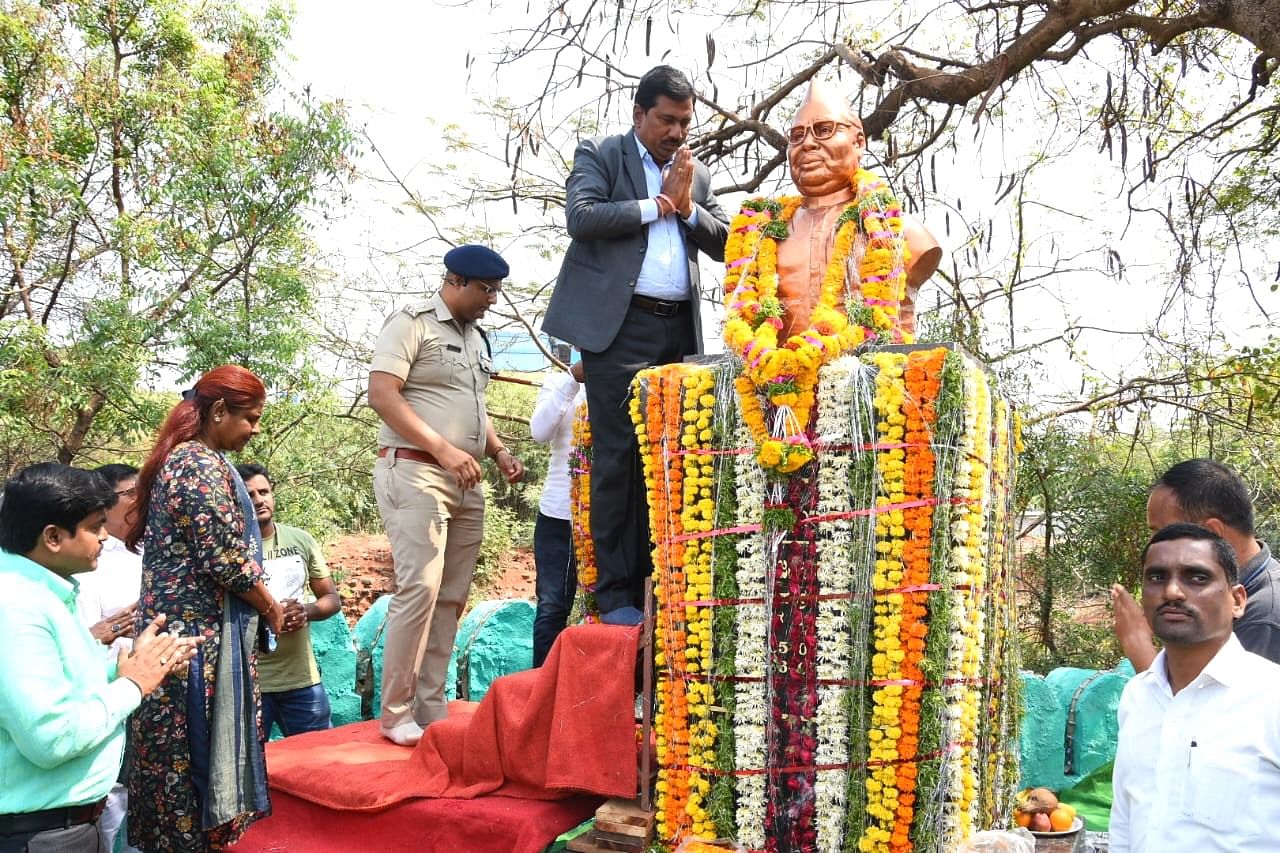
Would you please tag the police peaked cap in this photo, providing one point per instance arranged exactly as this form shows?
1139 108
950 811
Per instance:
474 261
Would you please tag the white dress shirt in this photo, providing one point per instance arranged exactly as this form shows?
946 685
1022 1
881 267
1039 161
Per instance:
110 588
552 423
1199 771
664 272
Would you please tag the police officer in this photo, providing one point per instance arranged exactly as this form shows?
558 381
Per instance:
427 380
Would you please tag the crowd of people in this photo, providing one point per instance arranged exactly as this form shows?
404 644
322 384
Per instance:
158 629
156 620
1198 754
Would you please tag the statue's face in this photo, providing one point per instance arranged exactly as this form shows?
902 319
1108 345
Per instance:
824 166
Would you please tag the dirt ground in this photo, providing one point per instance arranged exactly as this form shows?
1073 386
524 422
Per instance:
362 564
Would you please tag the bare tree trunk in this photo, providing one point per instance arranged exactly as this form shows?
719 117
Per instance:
84 420
1046 596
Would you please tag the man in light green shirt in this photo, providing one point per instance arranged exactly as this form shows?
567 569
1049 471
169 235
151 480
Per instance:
293 696
62 708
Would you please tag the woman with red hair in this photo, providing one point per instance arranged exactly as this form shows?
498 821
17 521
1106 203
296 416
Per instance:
197 777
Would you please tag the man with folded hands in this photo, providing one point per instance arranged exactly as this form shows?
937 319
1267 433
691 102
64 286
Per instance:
640 210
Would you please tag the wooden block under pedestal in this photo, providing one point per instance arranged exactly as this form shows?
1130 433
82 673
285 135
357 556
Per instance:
621 825
614 841
625 817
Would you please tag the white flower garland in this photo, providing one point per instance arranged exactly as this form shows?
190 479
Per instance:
838 386
968 553
751 712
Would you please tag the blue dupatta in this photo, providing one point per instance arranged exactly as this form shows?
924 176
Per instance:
228 765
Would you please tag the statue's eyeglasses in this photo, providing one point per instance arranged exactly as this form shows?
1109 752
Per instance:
820 129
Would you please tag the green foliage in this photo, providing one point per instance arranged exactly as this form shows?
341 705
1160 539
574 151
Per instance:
1076 644
503 530
1090 494
510 509
320 452
153 186
512 404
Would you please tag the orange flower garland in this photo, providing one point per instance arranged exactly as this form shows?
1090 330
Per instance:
584 549
785 375
921 379
677 411
659 389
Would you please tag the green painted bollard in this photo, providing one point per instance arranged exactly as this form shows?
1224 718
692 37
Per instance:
494 639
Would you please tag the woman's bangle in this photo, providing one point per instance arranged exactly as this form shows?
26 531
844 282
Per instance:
499 451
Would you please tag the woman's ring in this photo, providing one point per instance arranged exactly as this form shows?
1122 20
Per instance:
164 661
115 628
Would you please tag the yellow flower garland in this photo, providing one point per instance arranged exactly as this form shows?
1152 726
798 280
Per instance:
992 805
584 550
785 375
673 407
698 514
886 663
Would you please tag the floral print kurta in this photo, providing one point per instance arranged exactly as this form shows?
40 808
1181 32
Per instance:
194 554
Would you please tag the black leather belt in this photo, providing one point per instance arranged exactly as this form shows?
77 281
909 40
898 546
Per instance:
32 822
660 307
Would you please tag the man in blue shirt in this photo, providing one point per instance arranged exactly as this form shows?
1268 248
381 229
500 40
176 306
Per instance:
62 709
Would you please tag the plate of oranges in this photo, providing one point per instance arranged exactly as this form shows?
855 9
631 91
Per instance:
1039 810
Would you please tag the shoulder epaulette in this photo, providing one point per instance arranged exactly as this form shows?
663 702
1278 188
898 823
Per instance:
415 308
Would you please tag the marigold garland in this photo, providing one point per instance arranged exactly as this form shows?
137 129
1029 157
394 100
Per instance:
677 412
999 722
968 580
885 729
933 763
698 515
901 732
783 375
584 550
921 380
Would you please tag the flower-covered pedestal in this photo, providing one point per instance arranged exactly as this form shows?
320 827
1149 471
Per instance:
834 637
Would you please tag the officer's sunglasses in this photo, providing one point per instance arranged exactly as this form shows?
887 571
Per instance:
489 289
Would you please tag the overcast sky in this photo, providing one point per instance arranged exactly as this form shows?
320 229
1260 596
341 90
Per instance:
400 66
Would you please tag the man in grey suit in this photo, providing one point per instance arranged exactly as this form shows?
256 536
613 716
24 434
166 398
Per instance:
639 210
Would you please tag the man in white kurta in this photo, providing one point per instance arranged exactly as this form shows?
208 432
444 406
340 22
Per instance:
1198 761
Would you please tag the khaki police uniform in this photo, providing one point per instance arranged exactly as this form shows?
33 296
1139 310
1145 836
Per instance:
435 527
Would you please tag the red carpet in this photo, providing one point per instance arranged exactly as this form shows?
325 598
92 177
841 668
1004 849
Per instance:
544 734
484 825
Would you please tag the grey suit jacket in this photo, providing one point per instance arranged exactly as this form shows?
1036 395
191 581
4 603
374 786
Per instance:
598 275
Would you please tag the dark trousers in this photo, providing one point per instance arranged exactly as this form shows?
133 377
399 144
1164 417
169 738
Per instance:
557 581
619 511
81 838
305 709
